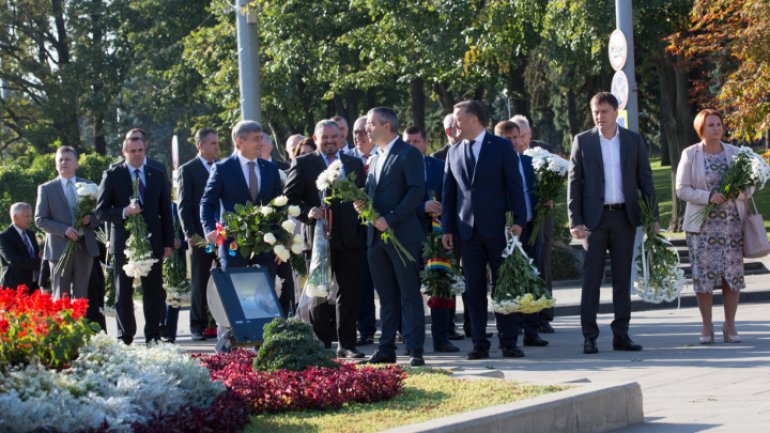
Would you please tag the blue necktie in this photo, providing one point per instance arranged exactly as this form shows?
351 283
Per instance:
137 172
470 158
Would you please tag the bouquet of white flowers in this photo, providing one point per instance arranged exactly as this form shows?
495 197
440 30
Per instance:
139 259
519 288
86 204
551 172
175 282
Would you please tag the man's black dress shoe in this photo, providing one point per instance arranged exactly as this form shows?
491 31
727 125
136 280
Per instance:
589 346
534 341
365 341
379 358
349 353
546 328
446 347
512 352
454 336
478 354
417 361
197 336
625 343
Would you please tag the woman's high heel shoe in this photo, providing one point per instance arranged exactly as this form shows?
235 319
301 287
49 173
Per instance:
730 338
708 339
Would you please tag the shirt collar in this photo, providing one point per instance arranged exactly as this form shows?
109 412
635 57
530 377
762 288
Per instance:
617 134
245 160
19 230
132 169
388 146
64 180
205 163
480 138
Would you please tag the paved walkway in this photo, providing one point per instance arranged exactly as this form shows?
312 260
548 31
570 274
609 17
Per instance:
687 387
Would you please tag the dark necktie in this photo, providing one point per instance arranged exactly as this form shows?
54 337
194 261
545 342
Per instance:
28 243
253 181
138 173
470 158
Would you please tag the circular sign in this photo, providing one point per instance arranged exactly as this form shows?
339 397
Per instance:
620 88
618 50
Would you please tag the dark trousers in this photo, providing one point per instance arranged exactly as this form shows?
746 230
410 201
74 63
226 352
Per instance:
367 322
439 326
169 325
398 285
615 233
546 250
338 322
153 301
96 290
288 304
200 271
477 253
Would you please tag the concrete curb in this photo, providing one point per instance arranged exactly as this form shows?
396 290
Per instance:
592 408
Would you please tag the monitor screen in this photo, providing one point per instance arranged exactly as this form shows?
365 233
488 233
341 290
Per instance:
255 296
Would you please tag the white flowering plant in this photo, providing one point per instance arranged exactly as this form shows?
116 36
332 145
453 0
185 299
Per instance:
551 173
659 275
254 230
86 204
343 187
138 251
519 288
109 382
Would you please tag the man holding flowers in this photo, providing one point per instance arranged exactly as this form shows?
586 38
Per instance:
135 188
345 233
65 210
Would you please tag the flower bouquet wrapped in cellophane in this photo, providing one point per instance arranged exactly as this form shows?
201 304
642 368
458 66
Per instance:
551 173
138 251
87 193
519 288
659 276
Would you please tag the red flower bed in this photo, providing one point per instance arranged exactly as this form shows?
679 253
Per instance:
313 388
35 326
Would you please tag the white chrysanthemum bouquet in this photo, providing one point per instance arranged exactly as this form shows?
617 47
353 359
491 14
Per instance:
138 251
551 172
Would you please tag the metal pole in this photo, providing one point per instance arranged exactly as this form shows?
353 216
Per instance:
624 19
248 61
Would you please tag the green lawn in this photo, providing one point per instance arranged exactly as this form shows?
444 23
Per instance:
427 395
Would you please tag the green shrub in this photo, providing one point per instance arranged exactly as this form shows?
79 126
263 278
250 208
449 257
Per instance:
289 344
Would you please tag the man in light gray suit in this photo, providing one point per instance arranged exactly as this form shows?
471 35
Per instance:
55 213
609 166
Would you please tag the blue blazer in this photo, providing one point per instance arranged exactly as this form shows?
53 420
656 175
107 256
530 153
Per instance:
434 187
398 194
227 187
483 200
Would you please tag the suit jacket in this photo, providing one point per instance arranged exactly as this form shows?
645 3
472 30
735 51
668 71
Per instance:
191 179
115 192
227 187
585 195
434 186
282 165
53 215
441 153
483 200
692 187
347 232
398 193
531 181
18 266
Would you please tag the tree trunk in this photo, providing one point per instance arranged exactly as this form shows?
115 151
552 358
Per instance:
517 93
417 92
66 120
446 98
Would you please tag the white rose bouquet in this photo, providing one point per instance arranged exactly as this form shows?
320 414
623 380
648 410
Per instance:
86 192
138 252
551 173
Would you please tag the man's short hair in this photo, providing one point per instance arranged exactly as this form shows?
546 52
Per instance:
505 126
605 98
245 127
449 120
324 123
202 134
66 149
386 115
473 107
18 207
341 119
521 121
140 131
416 129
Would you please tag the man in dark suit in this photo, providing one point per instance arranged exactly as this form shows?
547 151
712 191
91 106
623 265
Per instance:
510 130
19 253
429 209
608 167
114 205
57 202
191 179
346 234
481 184
240 178
396 186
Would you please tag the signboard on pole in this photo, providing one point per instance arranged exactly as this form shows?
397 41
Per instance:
618 50
620 88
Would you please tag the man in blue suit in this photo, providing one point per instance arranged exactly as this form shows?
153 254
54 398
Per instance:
481 184
431 207
510 130
242 177
396 186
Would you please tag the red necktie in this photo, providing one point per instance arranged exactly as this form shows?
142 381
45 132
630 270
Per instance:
366 163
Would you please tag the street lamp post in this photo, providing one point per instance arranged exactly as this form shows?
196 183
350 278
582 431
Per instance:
624 20
248 61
